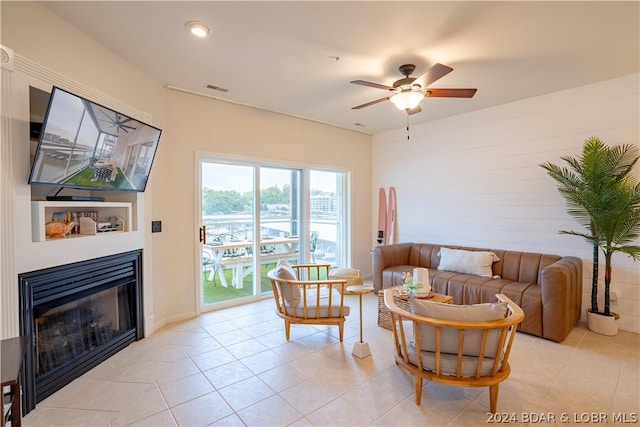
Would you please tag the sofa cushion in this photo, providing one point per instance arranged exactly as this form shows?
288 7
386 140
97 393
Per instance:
291 293
449 337
479 263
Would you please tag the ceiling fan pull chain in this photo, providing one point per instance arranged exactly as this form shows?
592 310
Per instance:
408 136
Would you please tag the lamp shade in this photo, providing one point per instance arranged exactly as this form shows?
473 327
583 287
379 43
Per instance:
407 100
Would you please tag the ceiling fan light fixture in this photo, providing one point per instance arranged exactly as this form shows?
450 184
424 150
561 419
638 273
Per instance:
198 29
407 100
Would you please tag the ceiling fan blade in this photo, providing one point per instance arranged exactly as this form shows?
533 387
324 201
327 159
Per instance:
370 84
357 107
436 72
414 110
449 93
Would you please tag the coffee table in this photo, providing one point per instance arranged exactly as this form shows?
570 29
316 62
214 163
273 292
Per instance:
402 301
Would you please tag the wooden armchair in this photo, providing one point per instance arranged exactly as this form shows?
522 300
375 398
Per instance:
466 346
304 295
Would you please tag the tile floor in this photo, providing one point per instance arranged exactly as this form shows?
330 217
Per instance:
234 367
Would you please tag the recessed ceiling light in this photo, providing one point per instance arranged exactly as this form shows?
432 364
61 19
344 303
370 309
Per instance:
198 29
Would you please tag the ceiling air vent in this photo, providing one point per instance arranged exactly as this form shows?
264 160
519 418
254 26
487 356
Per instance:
218 88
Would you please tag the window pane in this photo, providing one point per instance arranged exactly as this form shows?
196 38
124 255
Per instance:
326 207
227 214
279 219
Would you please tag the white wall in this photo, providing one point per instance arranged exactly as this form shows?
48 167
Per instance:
204 125
190 123
475 179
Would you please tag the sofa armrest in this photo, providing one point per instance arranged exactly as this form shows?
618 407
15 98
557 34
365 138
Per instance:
561 293
388 256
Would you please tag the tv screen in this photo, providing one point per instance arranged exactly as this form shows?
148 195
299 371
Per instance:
88 146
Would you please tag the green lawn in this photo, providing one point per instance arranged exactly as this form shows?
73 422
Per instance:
85 178
215 292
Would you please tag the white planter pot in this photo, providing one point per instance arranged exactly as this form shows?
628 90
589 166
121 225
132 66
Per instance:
603 325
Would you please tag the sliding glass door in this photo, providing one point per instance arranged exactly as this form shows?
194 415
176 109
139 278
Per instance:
253 215
228 217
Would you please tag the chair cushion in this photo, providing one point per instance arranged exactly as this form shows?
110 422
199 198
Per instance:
448 336
322 310
479 263
449 363
344 272
291 293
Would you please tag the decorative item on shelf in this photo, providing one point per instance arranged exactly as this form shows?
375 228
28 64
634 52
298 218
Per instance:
603 195
59 229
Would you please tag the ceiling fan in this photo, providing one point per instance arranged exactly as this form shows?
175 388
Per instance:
409 91
117 121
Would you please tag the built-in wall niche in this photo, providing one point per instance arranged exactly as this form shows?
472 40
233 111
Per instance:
82 219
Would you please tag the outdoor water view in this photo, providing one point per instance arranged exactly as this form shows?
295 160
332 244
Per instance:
230 255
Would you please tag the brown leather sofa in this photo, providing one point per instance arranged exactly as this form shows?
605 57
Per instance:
547 287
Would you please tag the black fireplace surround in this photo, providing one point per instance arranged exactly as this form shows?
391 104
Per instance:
76 316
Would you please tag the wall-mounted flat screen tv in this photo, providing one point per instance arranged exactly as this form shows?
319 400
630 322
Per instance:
88 146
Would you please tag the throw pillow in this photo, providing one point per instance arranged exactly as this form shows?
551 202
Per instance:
344 272
448 336
470 262
291 293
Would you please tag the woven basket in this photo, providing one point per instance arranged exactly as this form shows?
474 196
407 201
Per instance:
384 318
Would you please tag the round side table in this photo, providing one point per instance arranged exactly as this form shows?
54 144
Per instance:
360 349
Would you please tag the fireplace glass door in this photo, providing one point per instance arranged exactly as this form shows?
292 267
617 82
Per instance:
76 316
71 330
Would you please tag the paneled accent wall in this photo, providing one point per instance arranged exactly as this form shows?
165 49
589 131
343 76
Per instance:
475 179
20 253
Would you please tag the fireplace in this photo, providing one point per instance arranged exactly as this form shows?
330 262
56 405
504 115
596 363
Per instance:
76 316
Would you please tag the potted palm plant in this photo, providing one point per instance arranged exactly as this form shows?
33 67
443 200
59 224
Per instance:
603 195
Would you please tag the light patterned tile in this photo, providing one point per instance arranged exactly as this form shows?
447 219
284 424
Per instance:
284 376
202 410
162 419
230 421
181 368
211 359
245 393
47 417
263 361
475 415
407 413
272 411
184 389
381 393
148 403
339 413
228 374
246 348
309 395
313 379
